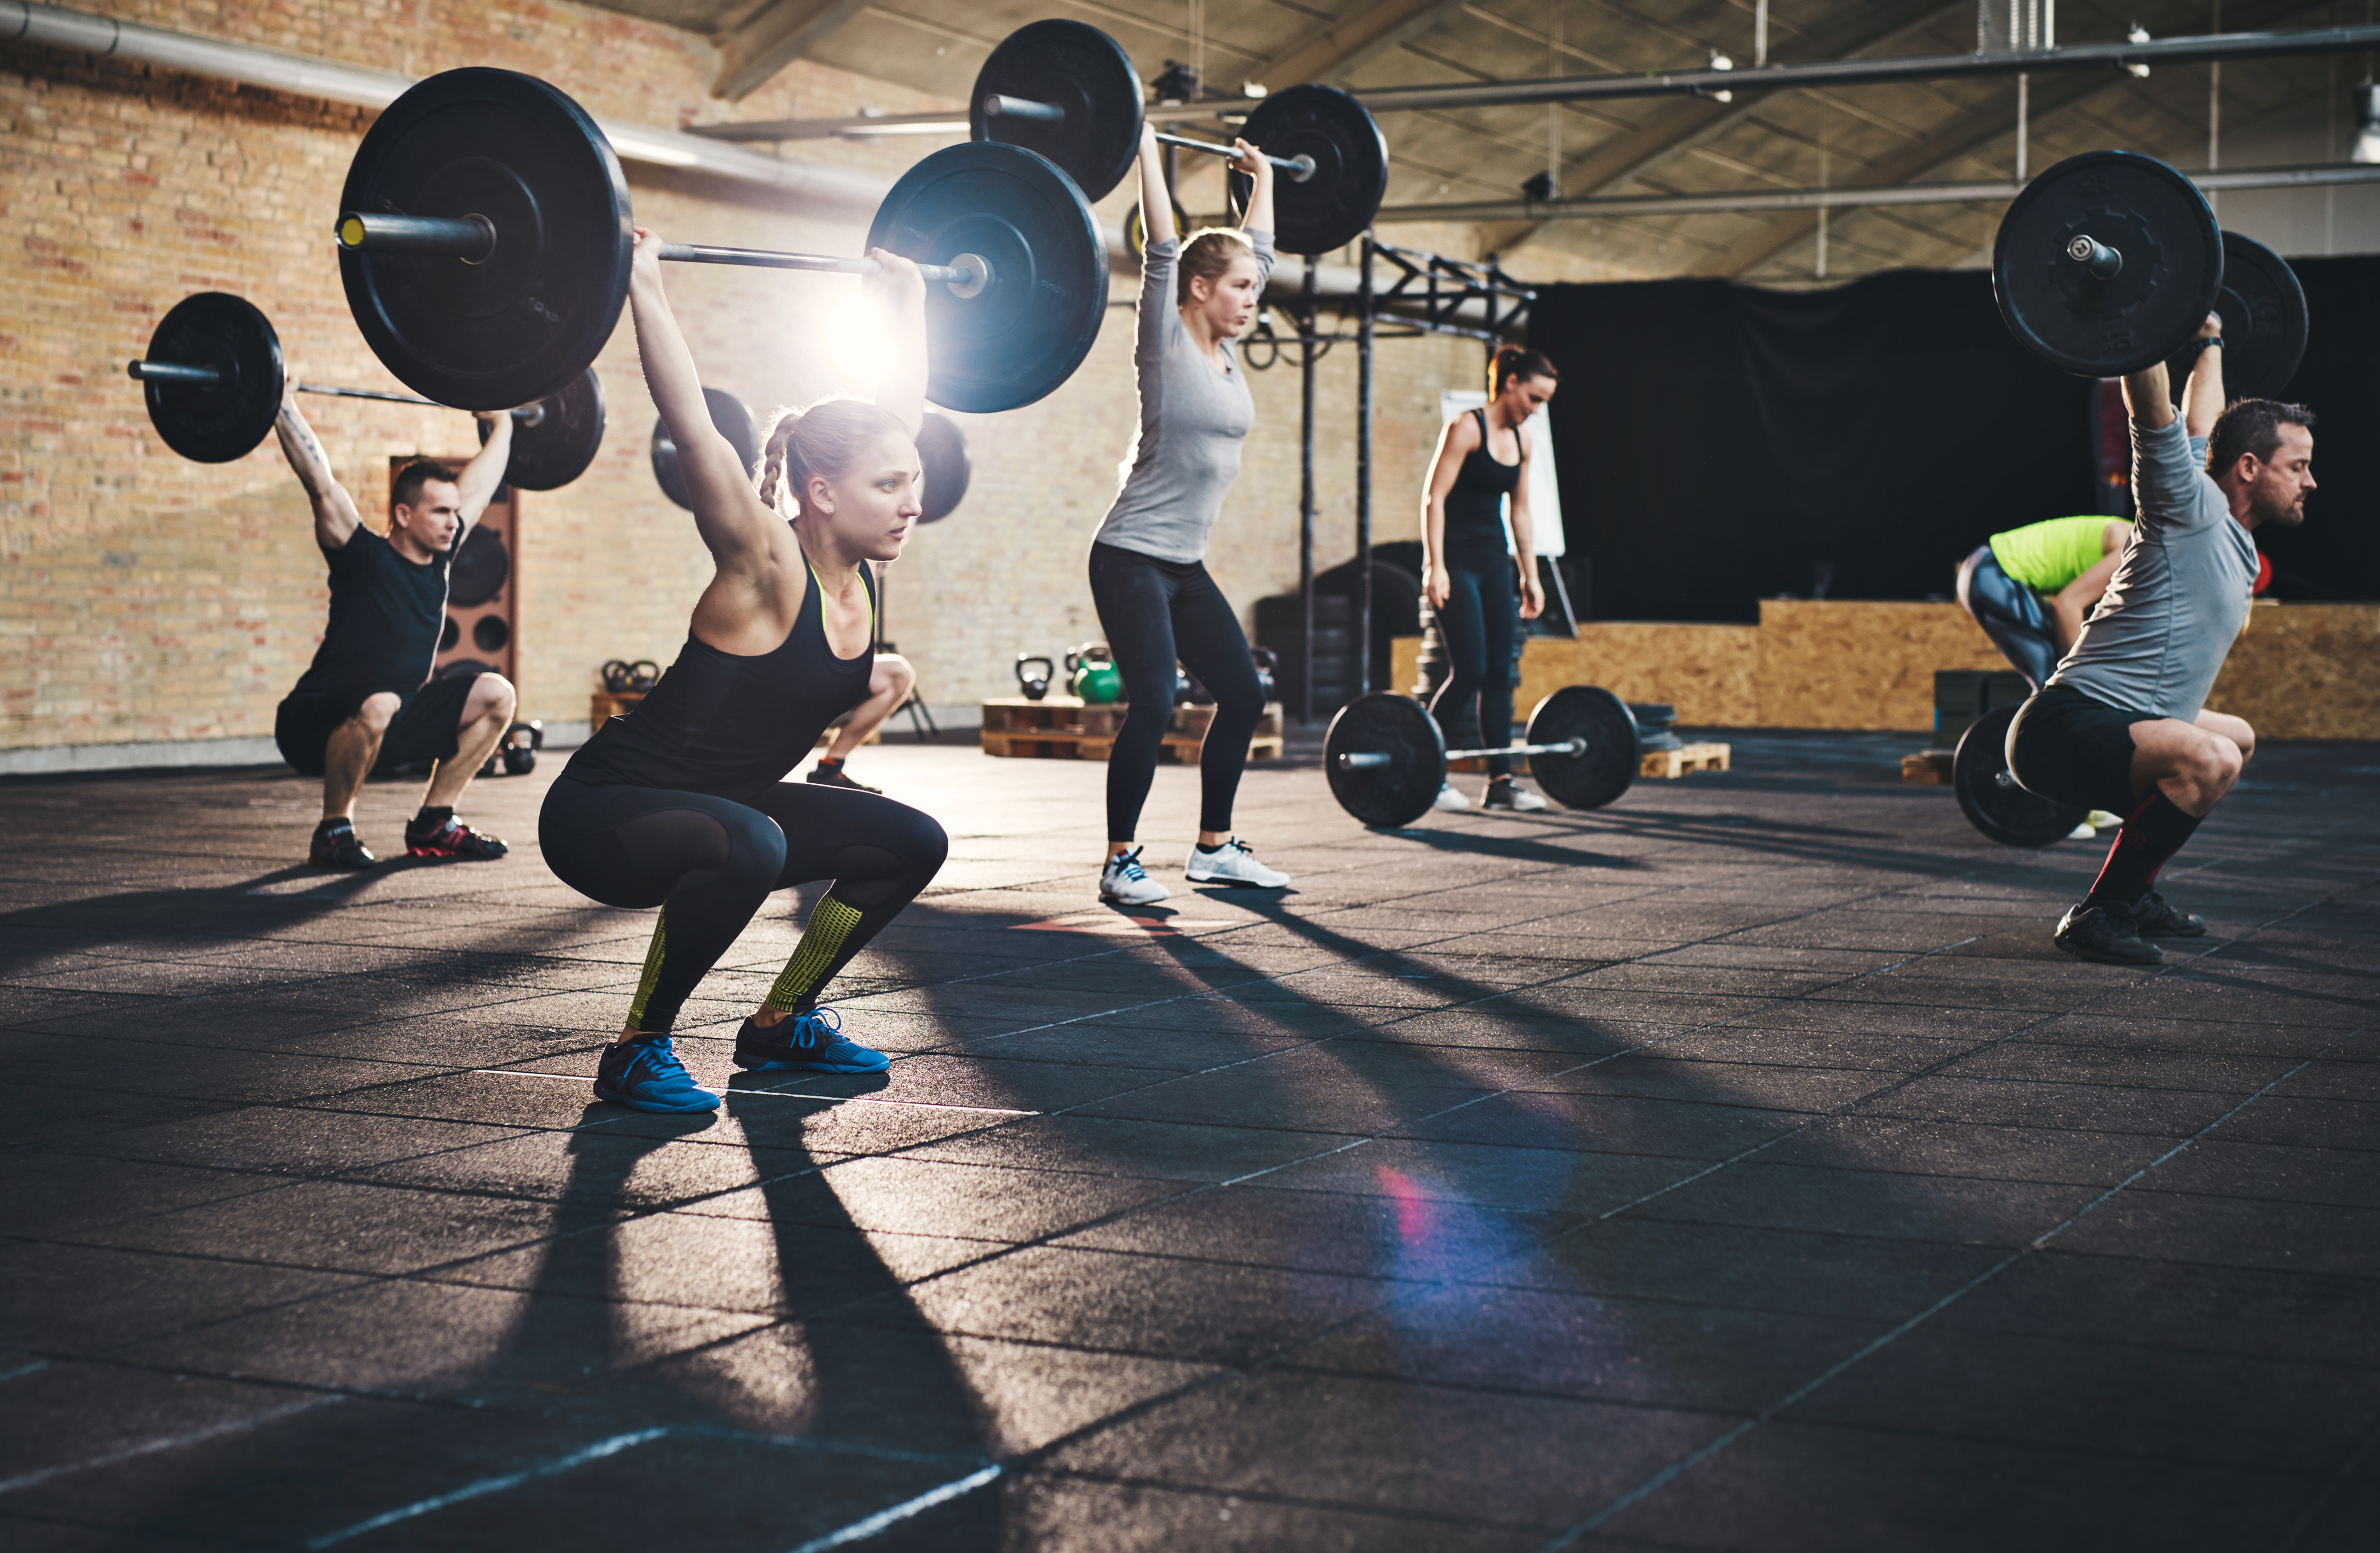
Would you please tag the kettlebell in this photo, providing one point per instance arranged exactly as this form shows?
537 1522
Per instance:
1093 675
1034 685
522 741
616 675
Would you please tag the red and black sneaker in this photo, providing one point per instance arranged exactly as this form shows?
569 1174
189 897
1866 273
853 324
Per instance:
829 774
337 846
452 840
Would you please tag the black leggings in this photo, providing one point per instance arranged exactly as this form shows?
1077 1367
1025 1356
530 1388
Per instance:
708 863
1477 626
1154 612
2010 614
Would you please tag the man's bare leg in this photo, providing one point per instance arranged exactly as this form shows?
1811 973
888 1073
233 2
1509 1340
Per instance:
348 759
889 684
434 832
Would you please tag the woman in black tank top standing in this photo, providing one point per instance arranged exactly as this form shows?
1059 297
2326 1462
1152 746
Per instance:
1467 578
681 804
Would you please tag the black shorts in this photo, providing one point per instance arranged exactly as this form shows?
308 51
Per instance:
2072 749
425 727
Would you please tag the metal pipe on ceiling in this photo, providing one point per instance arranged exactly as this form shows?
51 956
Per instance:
55 27
2313 177
1868 71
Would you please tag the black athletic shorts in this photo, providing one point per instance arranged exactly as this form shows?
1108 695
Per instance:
2072 749
425 727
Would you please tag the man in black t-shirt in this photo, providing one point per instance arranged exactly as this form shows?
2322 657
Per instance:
368 699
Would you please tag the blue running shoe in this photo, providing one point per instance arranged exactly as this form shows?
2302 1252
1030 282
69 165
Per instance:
806 1040
646 1073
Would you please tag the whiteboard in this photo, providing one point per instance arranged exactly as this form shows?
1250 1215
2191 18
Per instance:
1545 487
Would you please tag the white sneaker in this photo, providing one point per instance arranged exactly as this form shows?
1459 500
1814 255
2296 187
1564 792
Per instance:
1123 882
2082 832
1232 863
1510 796
2100 820
1448 799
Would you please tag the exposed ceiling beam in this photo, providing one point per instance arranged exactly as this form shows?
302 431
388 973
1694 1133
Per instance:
1675 127
774 37
1962 138
2111 58
1339 46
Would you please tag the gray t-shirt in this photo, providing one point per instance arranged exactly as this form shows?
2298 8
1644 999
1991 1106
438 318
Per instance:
1193 419
2158 636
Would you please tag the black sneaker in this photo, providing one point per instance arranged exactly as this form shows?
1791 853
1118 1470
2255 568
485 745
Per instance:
806 1040
831 775
339 848
2152 918
2089 932
452 840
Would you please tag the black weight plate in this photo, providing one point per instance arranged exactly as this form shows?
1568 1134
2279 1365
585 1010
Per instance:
478 570
2137 205
1036 318
2265 323
1386 797
942 450
734 424
1135 231
1074 65
1351 167
555 451
217 422
1990 798
1613 753
524 322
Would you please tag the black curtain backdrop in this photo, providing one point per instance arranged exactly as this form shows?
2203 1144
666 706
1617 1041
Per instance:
1719 443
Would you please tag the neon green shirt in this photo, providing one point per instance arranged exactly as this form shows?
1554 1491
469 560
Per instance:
2046 556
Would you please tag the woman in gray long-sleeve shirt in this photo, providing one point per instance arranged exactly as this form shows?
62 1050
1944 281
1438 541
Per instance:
1156 601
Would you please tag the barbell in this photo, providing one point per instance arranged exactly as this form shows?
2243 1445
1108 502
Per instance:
2109 262
485 242
1068 90
941 450
1386 759
1989 794
213 378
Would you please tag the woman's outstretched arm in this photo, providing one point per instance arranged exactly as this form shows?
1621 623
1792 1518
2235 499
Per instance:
732 519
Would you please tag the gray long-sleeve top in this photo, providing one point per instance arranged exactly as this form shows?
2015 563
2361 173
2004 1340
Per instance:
1193 419
2158 636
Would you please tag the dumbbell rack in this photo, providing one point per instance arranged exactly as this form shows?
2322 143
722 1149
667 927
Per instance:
1063 728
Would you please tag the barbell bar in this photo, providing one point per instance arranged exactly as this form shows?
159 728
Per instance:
473 238
208 377
485 241
1367 759
1000 105
1385 759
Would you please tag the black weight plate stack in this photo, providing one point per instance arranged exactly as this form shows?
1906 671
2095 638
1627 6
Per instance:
941 449
1038 314
1990 798
1385 797
1074 65
2148 213
522 323
555 451
215 423
2265 323
734 424
1602 772
1351 167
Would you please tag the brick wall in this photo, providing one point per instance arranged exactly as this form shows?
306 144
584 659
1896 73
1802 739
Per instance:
143 598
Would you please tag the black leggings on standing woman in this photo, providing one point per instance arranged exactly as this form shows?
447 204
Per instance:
1155 613
1475 627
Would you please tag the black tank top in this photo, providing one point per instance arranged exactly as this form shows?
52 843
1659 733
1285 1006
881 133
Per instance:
730 725
1475 508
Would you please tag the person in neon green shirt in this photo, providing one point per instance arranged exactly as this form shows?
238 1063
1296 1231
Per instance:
2030 589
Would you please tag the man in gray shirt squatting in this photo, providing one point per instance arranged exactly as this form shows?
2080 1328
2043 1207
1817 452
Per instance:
2123 723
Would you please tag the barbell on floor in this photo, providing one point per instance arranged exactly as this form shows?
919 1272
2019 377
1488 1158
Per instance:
2109 262
1385 759
485 242
1068 90
214 377
1991 797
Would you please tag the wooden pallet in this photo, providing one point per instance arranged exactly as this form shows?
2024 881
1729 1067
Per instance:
1928 765
1062 728
1687 757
